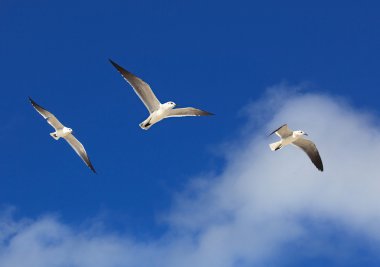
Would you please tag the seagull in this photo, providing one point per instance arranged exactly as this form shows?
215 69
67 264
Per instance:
157 111
64 132
296 138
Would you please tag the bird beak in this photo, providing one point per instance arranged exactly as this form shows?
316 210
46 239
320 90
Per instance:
306 134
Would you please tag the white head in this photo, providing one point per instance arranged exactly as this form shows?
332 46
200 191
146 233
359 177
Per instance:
299 133
169 105
67 130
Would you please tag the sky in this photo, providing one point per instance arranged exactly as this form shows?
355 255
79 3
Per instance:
190 191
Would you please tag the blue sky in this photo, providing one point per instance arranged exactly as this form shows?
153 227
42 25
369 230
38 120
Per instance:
243 61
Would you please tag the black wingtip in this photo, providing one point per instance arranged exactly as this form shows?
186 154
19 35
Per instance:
319 164
89 164
110 60
34 104
92 169
120 69
277 129
31 100
117 66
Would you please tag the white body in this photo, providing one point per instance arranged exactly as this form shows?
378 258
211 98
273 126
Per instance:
157 111
296 138
158 115
286 141
61 133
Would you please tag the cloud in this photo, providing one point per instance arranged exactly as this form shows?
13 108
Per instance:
265 208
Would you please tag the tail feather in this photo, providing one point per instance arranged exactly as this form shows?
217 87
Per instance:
145 126
54 135
275 146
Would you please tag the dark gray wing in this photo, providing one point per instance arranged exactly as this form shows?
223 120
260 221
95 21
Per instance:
283 131
183 112
311 150
51 119
79 148
141 88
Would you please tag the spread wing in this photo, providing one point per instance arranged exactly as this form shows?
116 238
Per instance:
79 148
182 112
51 119
141 88
311 150
283 131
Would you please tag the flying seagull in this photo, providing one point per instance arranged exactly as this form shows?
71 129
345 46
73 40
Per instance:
156 110
64 132
296 138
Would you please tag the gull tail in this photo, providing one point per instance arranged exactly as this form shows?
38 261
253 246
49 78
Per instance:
275 146
145 124
54 135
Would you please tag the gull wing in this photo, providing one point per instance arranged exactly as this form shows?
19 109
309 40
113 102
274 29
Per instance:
283 131
311 150
79 148
141 88
51 119
183 112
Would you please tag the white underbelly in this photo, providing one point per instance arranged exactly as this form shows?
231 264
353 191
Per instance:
62 133
157 116
288 140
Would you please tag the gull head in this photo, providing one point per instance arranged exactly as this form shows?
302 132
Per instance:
299 133
67 130
169 105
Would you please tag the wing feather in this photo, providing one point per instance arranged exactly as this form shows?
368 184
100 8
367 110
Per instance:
141 88
282 131
51 119
311 150
79 149
183 112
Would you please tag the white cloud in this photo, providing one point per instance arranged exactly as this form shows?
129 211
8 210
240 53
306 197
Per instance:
259 205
